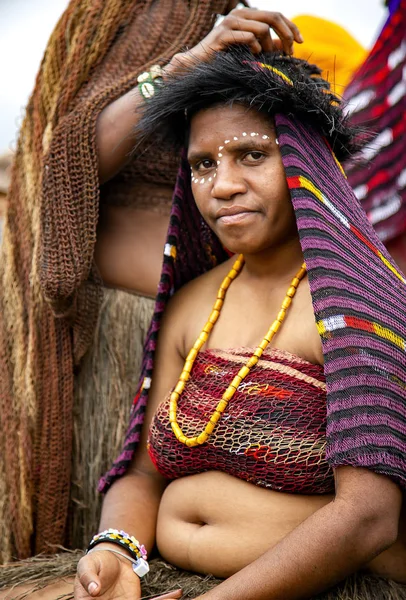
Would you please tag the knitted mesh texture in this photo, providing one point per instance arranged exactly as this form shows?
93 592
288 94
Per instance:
94 55
267 435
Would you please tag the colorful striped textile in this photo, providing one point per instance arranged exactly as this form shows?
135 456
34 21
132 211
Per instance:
359 300
376 100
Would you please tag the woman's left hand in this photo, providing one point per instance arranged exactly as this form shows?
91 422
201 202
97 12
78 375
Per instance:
244 26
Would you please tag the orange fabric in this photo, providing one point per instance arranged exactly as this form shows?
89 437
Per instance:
331 47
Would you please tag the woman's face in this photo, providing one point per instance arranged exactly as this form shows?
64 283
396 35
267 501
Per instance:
238 179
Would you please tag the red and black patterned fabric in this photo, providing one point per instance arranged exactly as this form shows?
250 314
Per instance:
273 433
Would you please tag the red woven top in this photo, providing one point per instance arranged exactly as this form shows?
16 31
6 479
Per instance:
272 434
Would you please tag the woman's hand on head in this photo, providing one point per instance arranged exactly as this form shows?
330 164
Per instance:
107 576
245 26
253 27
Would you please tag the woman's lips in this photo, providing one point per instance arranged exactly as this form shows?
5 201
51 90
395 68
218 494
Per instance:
233 214
236 218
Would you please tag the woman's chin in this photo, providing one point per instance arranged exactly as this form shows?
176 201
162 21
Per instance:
238 247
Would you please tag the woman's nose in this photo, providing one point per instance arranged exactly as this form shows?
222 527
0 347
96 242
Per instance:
228 181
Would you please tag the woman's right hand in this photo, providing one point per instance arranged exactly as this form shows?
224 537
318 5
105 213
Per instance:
244 26
107 576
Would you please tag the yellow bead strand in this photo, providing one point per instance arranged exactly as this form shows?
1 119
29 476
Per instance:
242 373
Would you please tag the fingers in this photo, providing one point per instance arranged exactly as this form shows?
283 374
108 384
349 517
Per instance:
260 31
285 30
88 575
251 20
89 571
296 32
245 26
246 38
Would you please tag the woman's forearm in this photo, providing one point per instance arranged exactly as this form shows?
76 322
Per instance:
116 125
132 505
115 133
322 551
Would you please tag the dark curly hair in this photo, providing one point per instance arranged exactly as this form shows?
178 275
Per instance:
269 82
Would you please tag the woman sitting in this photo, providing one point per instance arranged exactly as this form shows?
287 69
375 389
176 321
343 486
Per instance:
273 447
272 450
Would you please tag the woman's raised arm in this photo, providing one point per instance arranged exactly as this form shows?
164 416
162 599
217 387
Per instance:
117 122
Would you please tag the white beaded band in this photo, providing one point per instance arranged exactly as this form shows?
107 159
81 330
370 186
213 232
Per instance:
140 566
122 539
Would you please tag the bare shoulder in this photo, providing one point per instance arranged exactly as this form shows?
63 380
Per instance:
189 308
201 290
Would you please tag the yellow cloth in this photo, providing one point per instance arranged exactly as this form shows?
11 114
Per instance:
331 47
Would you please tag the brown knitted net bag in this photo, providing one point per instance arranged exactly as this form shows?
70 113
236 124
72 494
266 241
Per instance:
50 290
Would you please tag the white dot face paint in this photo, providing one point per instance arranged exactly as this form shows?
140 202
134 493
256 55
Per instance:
220 155
277 141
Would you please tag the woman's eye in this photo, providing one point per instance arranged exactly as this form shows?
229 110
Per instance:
254 156
204 165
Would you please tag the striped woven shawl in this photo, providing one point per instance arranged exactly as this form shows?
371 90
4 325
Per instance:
377 97
359 300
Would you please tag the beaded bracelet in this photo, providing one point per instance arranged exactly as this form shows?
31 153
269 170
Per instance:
140 566
121 538
147 81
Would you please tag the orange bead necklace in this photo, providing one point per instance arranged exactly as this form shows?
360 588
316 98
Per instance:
242 373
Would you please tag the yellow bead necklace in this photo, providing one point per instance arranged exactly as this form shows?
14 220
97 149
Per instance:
242 373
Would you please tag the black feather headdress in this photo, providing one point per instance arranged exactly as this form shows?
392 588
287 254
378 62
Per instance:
274 84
